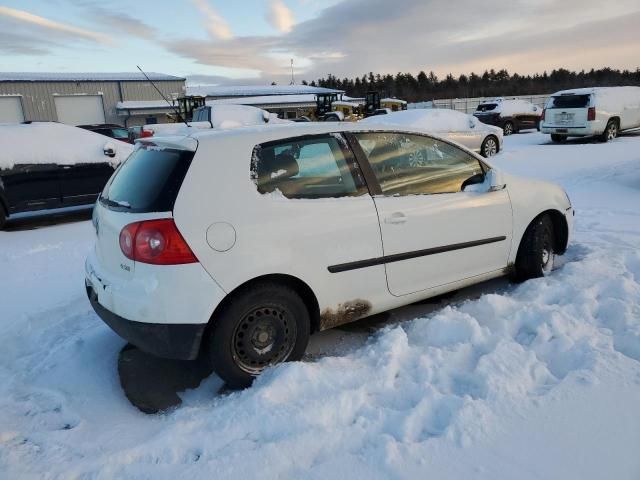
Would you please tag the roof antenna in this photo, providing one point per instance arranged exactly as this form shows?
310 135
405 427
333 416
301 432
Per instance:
165 98
292 81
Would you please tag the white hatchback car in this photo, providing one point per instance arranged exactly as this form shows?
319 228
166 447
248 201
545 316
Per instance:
237 245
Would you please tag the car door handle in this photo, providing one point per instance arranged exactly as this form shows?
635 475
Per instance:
396 218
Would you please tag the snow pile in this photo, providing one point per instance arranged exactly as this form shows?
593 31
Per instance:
56 143
429 120
530 381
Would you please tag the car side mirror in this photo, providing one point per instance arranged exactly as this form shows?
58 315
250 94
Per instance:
476 179
496 180
109 150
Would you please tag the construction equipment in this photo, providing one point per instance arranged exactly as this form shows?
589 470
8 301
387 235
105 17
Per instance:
371 103
187 104
393 104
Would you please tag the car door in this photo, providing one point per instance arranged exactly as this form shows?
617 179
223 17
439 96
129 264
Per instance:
471 136
81 183
30 187
433 233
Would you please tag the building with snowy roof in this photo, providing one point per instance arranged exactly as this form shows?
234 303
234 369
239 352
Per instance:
287 101
126 99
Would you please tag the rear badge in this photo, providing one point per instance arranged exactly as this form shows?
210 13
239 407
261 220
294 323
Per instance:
126 268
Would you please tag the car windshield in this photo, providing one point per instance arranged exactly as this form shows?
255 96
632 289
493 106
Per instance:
486 107
148 181
569 101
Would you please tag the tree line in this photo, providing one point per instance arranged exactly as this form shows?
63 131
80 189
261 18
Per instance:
491 83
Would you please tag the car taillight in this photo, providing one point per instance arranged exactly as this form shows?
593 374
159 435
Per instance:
157 242
591 114
544 111
146 133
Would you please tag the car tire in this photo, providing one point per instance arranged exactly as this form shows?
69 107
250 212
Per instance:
261 325
555 138
610 132
489 147
3 217
536 254
508 128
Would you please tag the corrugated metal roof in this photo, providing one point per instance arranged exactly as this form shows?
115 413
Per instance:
83 77
255 90
266 100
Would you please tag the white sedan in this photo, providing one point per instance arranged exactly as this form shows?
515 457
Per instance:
236 245
458 127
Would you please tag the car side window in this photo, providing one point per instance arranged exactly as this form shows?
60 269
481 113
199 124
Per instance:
307 167
408 164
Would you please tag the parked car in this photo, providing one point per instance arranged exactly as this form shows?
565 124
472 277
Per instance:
109 130
236 245
455 126
511 115
46 165
584 112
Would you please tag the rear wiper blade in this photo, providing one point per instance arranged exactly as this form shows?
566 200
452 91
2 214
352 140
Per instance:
115 203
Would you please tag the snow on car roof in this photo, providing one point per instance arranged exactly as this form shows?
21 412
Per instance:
431 120
56 143
255 90
83 76
590 90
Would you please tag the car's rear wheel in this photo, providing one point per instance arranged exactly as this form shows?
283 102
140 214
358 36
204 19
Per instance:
489 146
558 138
611 132
508 128
261 325
536 254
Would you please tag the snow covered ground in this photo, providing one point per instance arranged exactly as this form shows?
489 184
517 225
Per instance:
533 381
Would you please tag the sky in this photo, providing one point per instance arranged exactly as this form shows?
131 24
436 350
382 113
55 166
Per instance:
253 41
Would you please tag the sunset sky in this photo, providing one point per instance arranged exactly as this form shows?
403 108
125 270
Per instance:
252 41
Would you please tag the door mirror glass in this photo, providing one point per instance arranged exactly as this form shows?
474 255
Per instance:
473 183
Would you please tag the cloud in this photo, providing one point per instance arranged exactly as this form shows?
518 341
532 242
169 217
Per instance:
124 23
280 16
217 26
30 19
18 44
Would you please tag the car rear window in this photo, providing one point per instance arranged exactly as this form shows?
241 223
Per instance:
148 181
486 107
569 101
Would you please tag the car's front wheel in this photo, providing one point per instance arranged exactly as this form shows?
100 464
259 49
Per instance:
489 146
536 254
261 325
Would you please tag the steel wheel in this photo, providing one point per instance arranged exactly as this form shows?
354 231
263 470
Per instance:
265 336
489 147
548 256
612 131
508 128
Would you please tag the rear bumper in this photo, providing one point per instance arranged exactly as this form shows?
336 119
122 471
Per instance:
177 341
585 131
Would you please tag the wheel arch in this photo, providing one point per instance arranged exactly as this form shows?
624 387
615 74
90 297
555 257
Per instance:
299 286
560 228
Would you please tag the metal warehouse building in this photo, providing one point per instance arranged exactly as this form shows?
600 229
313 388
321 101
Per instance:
126 99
